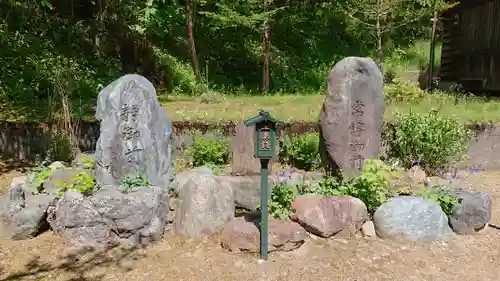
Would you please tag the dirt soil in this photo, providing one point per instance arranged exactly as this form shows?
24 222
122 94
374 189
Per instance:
468 258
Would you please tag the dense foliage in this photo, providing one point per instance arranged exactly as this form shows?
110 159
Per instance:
430 140
76 46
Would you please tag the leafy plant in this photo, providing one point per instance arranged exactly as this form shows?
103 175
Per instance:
280 203
211 97
82 182
301 151
441 195
88 162
372 186
132 181
401 91
207 151
430 139
39 173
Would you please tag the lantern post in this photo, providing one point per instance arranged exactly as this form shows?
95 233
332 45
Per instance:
265 147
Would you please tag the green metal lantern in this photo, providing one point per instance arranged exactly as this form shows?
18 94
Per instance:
265 147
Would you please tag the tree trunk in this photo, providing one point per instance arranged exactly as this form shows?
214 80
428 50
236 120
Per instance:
265 70
190 27
379 44
265 67
432 49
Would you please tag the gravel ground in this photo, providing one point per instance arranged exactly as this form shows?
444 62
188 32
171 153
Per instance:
468 258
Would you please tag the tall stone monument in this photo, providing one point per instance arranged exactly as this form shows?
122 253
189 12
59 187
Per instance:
351 118
244 162
136 133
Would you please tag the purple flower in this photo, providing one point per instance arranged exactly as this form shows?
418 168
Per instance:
293 171
315 161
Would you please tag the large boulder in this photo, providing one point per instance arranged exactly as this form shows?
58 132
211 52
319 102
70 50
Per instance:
22 216
110 217
351 118
472 213
182 178
205 206
412 218
247 189
136 133
242 235
326 216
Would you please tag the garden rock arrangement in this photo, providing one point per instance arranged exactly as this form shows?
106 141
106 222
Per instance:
413 218
118 195
110 217
125 192
22 216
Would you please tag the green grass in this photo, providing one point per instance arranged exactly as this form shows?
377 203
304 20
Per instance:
288 108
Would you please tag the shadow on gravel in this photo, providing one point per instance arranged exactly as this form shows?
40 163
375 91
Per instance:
76 264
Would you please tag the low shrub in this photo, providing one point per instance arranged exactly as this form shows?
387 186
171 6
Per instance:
88 162
429 139
280 202
132 181
39 173
301 151
442 196
211 97
207 151
83 182
372 186
402 91
61 147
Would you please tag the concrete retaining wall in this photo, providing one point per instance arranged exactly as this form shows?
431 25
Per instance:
24 141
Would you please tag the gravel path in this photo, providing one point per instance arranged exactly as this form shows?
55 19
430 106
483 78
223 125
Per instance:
468 258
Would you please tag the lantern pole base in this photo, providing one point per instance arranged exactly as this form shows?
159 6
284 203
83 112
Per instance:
264 212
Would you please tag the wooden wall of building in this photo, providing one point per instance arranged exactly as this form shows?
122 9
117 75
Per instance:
471 45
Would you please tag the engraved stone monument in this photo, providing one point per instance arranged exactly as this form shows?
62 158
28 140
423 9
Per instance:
352 116
244 162
136 133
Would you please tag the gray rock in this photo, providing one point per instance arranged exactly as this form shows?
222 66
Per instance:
182 178
136 133
472 213
368 230
205 206
58 165
110 217
412 218
22 217
351 118
246 190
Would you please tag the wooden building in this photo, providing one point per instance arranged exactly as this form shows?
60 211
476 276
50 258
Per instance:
471 46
